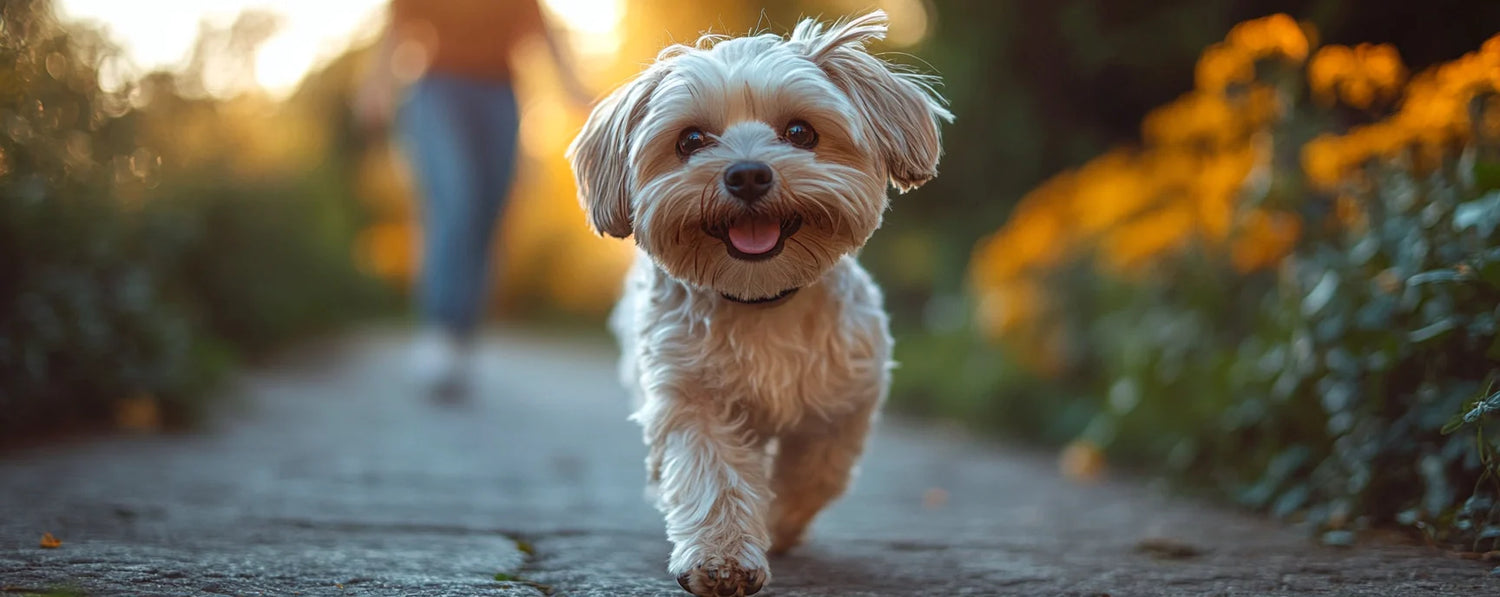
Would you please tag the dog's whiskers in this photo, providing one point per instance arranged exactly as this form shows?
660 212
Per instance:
804 248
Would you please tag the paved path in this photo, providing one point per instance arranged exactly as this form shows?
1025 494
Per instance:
328 477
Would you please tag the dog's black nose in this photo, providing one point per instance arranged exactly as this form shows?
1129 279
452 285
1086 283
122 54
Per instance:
748 180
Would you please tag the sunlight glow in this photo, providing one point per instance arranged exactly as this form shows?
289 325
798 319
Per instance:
594 25
160 34
910 23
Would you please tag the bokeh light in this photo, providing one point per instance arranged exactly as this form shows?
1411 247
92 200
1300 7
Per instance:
162 35
594 26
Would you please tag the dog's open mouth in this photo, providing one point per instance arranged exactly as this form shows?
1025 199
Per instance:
755 237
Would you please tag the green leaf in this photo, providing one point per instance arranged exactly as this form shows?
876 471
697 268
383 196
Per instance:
1482 214
1321 294
1290 500
1482 408
1487 267
1435 330
1439 276
1487 175
1454 424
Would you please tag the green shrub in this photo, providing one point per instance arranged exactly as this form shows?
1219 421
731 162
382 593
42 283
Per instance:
1303 322
122 278
1330 391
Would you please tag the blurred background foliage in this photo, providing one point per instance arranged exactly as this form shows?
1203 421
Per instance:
1252 253
151 237
1287 291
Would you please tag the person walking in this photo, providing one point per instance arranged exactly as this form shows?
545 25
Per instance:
441 75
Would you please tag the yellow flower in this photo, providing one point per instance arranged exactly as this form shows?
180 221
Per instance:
1005 308
1264 239
1034 238
1358 93
1217 188
1432 109
1491 49
1327 67
1358 76
1130 208
1277 36
1323 161
1381 65
1135 244
1110 189
1292 39
1380 140
1195 118
1222 65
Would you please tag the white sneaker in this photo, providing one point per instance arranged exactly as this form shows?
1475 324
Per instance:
442 363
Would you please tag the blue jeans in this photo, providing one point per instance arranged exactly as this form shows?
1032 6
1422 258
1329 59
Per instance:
460 137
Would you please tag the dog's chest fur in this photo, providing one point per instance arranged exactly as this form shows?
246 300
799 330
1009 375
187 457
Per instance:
821 352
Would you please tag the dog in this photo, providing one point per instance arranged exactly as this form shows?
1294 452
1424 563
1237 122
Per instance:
750 171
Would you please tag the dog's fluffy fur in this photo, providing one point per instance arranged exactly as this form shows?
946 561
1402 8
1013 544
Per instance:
754 414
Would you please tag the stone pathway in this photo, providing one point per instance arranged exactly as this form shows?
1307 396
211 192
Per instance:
326 476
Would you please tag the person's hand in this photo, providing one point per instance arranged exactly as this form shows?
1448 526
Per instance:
579 96
374 104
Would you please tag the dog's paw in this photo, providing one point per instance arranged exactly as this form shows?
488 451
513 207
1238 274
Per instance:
787 530
717 577
782 542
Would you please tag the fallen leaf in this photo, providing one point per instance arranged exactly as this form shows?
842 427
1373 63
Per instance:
1168 549
140 413
935 498
50 542
1484 556
1081 461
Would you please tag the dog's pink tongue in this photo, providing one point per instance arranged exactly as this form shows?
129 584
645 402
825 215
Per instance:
753 236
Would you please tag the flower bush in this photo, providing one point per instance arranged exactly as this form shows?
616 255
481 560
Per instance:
1288 291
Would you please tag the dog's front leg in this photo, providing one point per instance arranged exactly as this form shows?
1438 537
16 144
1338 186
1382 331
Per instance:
814 465
713 491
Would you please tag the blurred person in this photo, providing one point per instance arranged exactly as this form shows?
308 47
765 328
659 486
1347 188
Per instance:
442 76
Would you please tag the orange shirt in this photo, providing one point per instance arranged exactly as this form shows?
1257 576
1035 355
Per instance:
464 37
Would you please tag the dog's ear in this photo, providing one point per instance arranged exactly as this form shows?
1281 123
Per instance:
601 154
901 107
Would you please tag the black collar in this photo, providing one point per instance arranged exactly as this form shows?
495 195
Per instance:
762 300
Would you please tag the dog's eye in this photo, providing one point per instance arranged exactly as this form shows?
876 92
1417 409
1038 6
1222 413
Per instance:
690 141
801 134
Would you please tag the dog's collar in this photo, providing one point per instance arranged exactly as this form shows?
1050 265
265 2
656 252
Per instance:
762 300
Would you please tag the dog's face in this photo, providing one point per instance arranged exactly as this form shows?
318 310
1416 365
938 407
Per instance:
751 165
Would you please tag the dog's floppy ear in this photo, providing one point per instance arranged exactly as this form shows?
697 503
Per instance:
900 107
601 154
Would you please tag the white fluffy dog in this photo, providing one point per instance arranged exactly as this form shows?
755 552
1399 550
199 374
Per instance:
750 170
